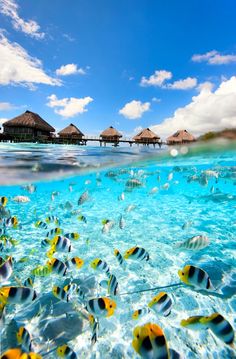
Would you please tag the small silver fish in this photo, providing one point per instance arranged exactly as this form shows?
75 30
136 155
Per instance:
121 222
83 198
194 243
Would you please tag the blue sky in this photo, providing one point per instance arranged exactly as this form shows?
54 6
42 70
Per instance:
127 63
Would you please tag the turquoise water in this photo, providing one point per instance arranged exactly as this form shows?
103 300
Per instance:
180 196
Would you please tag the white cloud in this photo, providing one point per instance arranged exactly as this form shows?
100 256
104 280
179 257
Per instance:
134 109
31 27
214 58
5 106
70 107
18 67
186 84
70 69
208 111
157 79
207 86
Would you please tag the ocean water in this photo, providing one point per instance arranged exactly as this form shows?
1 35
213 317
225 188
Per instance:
164 197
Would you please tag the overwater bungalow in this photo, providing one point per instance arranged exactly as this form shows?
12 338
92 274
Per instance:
147 137
29 126
71 133
110 135
179 137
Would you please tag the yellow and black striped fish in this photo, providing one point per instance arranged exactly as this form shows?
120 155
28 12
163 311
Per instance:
137 253
74 262
82 218
101 307
11 222
94 325
17 295
3 201
161 304
120 259
150 342
6 269
112 285
29 282
101 265
41 224
60 293
193 323
52 219
64 351
196 277
57 266
72 235
24 339
16 353
53 232
220 327
62 244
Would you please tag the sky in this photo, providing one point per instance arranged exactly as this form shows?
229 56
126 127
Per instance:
130 64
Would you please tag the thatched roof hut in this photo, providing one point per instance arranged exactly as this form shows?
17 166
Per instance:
110 134
179 137
71 132
28 125
146 136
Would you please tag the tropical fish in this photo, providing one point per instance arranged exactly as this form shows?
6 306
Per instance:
101 307
120 259
21 199
71 288
153 190
57 266
112 285
83 198
220 327
24 339
121 222
45 242
139 313
16 353
81 294
60 293
74 262
133 183
64 351
94 327
107 225
41 271
11 222
196 277
2 231
101 265
187 224
166 186
3 201
193 323
31 188
161 304
194 243
82 218
6 269
52 219
29 282
41 224
121 197
17 295
61 243
137 253
170 176
73 235
130 208
150 342
53 232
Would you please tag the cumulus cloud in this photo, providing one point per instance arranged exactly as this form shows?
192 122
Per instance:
186 84
70 69
6 106
160 79
69 107
134 109
208 111
18 67
10 8
157 79
214 58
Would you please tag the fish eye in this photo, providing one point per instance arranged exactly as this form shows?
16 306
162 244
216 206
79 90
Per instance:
182 273
111 306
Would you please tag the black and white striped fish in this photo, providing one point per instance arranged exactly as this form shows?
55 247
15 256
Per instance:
17 295
101 307
196 277
139 313
120 259
112 285
6 269
94 325
161 304
83 198
220 327
60 293
137 253
194 243
101 265
56 266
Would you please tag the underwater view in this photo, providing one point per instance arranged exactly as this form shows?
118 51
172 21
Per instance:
118 253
